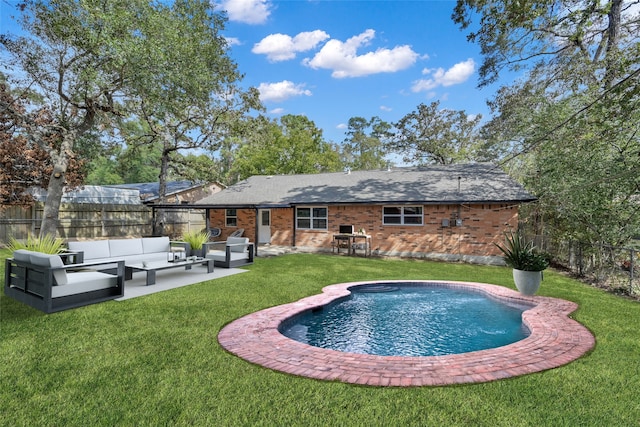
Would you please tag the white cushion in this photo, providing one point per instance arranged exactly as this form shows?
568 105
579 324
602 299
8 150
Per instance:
85 281
121 247
22 255
155 244
236 240
50 261
92 250
222 256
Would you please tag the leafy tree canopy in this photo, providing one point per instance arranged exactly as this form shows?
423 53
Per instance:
572 120
296 146
364 146
95 62
434 135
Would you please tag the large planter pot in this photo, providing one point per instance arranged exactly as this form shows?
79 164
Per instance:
527 282
197 252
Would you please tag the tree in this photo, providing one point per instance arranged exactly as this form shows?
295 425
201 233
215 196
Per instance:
22 163
571 35
296 146
572 119
434 135
95 61
364 146
199 168
103 171
197 125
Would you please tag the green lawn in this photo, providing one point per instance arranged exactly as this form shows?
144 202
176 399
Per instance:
155 360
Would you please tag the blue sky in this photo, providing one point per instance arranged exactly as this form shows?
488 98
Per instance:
333 60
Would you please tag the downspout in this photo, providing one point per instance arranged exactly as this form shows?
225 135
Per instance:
293 235
256 231
460 231
459 218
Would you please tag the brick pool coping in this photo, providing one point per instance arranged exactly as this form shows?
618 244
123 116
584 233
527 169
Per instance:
555 340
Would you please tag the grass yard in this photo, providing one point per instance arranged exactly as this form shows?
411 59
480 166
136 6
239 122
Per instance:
155 360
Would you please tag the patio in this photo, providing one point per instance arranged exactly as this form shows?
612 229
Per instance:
172 279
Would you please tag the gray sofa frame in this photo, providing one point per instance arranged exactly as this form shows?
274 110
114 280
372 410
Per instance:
32 285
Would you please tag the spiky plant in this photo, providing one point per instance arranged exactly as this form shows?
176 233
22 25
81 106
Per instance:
46 244
522 255
196 238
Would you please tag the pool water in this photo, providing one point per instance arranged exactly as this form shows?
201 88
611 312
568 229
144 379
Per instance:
410 320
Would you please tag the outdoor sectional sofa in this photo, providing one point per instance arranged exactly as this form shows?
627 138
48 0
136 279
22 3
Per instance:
44 282
233 252
129 250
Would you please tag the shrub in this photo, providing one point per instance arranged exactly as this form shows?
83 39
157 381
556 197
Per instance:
45 244
196 238
522 255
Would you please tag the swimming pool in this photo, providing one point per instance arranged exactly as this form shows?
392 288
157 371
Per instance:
554 340
410 320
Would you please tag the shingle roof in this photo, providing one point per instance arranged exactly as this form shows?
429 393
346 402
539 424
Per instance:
93 194
151 190
478 182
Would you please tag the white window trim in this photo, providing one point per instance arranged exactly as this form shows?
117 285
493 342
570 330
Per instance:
311 217
226 223
402 215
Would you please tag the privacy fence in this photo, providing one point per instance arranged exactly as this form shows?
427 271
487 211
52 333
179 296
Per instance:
80 221
614 268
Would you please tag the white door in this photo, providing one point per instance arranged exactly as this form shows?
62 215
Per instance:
264 226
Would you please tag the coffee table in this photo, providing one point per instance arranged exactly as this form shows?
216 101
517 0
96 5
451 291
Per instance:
152 266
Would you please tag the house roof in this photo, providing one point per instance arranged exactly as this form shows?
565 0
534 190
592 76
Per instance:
151 190
93 194
477 182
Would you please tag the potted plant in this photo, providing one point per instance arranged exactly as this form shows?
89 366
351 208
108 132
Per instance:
527 262
196 240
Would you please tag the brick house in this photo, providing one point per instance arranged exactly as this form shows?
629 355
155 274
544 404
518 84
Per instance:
449 212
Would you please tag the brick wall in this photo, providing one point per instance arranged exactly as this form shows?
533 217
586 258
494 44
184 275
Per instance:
246 220
482 226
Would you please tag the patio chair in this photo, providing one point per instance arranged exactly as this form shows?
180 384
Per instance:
234 252
214 232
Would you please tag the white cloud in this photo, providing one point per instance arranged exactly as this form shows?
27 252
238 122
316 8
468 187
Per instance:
385 108
247 11
233 41
281 47
342 57
457 74
342 126
277 111
281 91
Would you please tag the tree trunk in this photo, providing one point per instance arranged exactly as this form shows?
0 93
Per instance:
49 224
55 189
159 226
613 32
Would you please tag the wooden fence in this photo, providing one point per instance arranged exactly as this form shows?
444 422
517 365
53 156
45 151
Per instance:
95 221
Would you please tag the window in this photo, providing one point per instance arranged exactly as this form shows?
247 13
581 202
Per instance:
231 218
311 218
402 215
265 218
